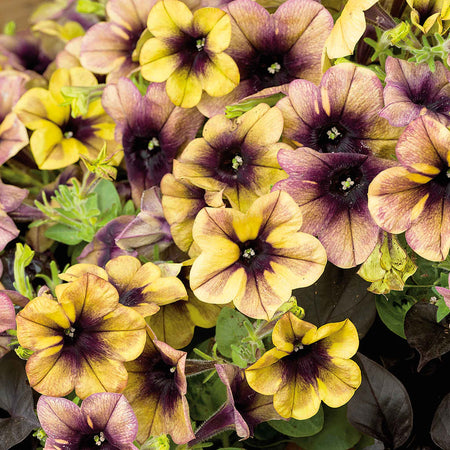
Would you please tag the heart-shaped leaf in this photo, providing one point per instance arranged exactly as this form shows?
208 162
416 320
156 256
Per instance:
440 428
380 407
16 399
429 337
338 295
299 428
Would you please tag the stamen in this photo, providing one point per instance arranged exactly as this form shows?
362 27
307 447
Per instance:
70 331
274 68
99 438
448 173
298 347
173 369
153 143
200 44
248 253
333 133
433 300
347 184
237 162
68 134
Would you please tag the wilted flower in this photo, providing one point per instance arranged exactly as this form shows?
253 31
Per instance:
254 259
113 47
412 90
331 191
81 341
156 390
413 197
105 420
187 50
307 365
149 128
59 139
237 157
339 115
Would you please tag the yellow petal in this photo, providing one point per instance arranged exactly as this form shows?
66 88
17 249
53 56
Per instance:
169 18
184 88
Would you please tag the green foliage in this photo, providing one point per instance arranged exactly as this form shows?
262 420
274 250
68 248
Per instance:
300 428
91 7
233 111
79 98
22 259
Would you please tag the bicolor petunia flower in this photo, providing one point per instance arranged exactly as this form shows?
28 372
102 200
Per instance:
11 197
339 115
243 409
149 229
13 134
271 50
141 287
7 322
157 389
113 47
307 365
103 247
236 156
331 191
80 341
187 50
426 13
149 129
59 139
412 90
181 201
415 196
254 259
104 420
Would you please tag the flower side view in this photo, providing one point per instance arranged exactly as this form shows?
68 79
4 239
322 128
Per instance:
307 365
415 196
254 259
104 420
187 50
81 341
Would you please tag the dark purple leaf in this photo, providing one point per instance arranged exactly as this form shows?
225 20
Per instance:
430 338
380 407
337 295
440 428
16 399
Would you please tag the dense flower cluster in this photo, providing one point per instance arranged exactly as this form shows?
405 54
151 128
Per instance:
173 165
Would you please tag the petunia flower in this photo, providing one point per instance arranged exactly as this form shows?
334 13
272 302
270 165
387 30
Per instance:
236 156
426 13
414 197
104 420
149 129
7 322
339 115
445 293
187 50
307 365
140 287
254 259
157 389
149 229
412 90
181 201
243 409
331 191
13 134
282 47
59 139
112 47
80 341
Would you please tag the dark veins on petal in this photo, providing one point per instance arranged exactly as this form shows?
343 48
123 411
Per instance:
132 297
79 341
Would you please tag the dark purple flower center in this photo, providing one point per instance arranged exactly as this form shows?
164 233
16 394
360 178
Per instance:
255 255
32 57
441 183
348 185
440 104
132 297
160 381
79 340
305 362
95 440
229 165
268 70
78 128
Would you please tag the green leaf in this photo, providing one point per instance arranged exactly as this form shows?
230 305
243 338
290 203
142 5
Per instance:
107 196
336 434
129 209
230 329
299 428
392 310
426 272
63 233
